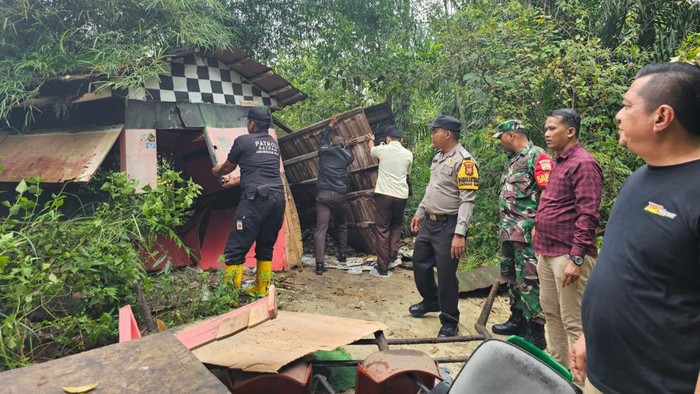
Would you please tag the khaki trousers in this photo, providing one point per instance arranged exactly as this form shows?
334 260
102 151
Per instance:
590 389
561 306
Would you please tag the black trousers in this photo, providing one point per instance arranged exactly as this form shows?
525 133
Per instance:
329 204
256 220
388 223
432 249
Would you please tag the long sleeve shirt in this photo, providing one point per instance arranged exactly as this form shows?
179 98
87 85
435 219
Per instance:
568 214
333 162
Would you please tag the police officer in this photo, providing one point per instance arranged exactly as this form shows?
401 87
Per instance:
260 213
442 221
521 185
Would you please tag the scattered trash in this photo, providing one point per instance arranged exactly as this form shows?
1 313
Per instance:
355 270
79 389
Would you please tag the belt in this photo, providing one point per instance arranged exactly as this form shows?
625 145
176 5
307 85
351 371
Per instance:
439 218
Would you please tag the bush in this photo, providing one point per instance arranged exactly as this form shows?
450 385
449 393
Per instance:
64 276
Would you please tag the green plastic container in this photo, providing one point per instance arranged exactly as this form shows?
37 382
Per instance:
540 355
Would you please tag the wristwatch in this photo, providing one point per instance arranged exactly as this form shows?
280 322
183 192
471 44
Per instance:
578 260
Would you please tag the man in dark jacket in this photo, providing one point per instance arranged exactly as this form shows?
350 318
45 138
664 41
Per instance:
333 161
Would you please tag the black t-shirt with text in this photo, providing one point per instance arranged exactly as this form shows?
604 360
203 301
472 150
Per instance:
258 156
641 306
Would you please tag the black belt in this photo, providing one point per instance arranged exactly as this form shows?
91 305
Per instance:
439 218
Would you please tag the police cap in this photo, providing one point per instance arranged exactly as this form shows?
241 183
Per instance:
446 122
509 125
260 114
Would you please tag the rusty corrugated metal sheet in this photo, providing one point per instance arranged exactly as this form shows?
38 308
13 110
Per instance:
56 156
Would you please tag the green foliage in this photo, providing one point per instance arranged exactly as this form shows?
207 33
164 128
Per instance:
118 42
63 277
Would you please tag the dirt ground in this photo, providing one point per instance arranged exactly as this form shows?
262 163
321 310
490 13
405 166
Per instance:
384 300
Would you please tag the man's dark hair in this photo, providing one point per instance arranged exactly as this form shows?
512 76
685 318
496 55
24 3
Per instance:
676 85
569 118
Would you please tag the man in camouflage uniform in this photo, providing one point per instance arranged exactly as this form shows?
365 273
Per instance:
521 186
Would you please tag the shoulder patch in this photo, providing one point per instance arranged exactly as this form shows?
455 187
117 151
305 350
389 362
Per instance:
543 166
468 175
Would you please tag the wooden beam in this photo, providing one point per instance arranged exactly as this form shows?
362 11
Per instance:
230 323
260 76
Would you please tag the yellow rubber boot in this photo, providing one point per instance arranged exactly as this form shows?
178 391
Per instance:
234 273
263 276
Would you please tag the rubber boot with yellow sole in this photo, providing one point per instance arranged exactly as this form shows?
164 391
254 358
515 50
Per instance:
234 276
263 276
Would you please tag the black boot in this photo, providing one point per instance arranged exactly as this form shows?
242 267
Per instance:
320 267
535 334
516 324
342 258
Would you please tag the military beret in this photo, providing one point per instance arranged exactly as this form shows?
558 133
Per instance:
446 122
260 114
509 125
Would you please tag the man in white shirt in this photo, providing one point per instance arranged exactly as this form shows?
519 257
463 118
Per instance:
390 196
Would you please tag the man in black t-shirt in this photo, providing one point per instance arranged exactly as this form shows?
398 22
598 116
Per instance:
260 213
641 308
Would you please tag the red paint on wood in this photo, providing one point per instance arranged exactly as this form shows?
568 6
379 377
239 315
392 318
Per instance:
128 329
208 331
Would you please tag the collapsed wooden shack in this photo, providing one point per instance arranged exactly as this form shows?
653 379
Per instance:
300 155
190 115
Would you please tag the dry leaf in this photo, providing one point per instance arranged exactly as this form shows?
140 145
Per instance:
80 389
161 325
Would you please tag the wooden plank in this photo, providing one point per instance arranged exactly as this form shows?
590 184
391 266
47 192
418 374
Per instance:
157 363
209 330
294 247
478 278
139 156
128 329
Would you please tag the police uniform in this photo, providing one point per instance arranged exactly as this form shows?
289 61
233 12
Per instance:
260 213
446 210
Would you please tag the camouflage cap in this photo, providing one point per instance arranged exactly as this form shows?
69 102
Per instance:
509 125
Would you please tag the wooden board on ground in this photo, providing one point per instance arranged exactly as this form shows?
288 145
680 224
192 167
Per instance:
217 328
275 343
154 364
478 278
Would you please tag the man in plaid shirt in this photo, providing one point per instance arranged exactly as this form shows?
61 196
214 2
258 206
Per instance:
565 226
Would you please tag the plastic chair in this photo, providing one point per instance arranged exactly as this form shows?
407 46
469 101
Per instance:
502 367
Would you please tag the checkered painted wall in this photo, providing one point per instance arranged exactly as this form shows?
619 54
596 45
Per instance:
195 79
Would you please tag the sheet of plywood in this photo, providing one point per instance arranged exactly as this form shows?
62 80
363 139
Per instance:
275 343
56 156
154 364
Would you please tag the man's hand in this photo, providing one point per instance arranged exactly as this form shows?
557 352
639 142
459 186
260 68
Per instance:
570 274
532 235
229 180
577 360
415 224
333 121
351 141
215 170
458 247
